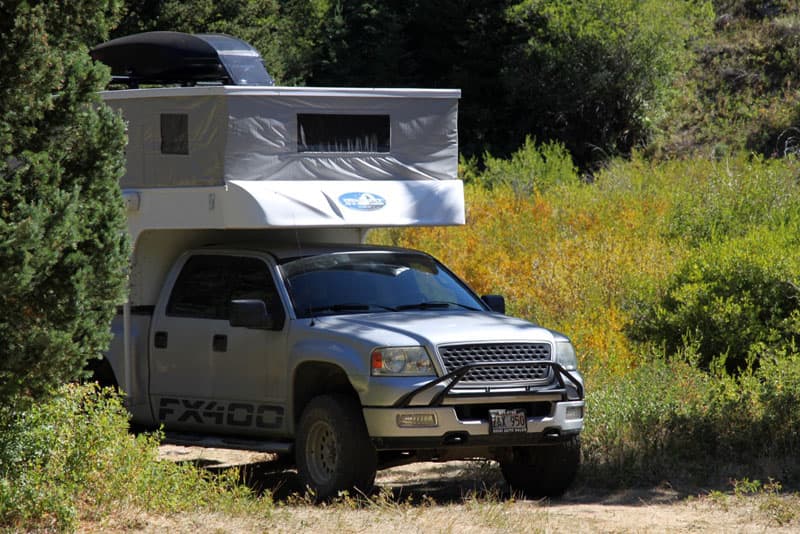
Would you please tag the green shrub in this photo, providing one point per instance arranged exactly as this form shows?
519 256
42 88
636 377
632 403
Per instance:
531 168
717 200
730 298
639 426
72 458
595 74
672 421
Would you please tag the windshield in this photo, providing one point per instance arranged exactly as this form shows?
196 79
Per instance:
365 282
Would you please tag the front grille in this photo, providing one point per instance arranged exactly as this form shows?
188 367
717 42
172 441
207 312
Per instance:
455 356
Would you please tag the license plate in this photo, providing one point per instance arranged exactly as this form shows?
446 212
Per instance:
512 420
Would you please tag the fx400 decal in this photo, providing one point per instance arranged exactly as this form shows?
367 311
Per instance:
241 414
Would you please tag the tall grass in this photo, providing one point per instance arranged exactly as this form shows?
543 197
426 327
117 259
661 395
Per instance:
668 420
72 458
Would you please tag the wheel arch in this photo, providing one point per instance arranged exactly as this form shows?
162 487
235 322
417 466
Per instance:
315 378
101 372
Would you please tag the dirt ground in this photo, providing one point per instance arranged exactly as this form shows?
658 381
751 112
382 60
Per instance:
472 497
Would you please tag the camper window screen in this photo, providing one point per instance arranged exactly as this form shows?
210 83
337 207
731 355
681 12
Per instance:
342 133
174 133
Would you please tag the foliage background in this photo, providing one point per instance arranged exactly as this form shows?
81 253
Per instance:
631 179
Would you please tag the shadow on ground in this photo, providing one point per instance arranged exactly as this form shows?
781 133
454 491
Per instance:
445 483
453 482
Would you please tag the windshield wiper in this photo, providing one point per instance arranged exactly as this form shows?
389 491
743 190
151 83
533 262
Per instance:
356 307
434 305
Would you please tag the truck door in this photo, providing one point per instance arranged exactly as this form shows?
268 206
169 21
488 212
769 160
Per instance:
206 375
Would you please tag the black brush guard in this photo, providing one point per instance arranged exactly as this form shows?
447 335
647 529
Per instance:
456 376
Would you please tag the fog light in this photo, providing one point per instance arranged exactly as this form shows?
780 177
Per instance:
420 420
574 412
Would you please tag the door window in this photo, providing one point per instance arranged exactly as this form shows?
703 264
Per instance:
208 283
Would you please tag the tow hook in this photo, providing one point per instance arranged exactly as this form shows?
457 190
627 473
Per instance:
455 438
552 433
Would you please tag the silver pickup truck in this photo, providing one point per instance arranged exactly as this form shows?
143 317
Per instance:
346 358
354 358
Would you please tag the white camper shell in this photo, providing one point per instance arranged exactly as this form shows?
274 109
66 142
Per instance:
278 157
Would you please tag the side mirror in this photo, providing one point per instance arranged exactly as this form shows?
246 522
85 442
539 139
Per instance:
251 313
496 303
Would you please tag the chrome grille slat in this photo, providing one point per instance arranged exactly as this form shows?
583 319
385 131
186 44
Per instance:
455 356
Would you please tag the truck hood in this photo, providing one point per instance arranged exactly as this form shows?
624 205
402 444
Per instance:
435 328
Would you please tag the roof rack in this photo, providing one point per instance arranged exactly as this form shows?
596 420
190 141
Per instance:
175 58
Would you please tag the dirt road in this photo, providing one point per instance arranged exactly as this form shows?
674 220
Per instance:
472 497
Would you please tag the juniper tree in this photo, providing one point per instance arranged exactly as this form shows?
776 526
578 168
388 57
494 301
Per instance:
63 246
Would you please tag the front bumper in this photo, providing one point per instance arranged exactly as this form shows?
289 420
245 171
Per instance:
438 414
450 431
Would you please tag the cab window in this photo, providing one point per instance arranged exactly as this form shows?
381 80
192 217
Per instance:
208 283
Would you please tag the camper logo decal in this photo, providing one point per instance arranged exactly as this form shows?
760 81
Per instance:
362 201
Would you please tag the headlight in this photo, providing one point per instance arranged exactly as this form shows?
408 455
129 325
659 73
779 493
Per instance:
401 361
565 355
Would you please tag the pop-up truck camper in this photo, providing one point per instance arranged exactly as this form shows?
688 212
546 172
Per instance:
258 319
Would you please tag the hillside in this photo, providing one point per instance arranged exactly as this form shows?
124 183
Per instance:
741 93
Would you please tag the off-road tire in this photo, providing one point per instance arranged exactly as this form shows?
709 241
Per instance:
333 450
544 471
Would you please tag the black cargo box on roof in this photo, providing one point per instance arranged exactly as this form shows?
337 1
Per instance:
181 58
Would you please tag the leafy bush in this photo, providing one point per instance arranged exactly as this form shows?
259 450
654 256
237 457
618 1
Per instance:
71 458
531 168
672 421
596 74
712 200
729 299
640 427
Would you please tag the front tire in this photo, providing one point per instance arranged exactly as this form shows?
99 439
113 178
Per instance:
545 471
334 452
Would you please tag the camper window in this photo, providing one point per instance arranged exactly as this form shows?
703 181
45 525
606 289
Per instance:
342 133
174 133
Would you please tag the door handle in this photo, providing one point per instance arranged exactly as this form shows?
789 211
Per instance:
220 343
160 340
